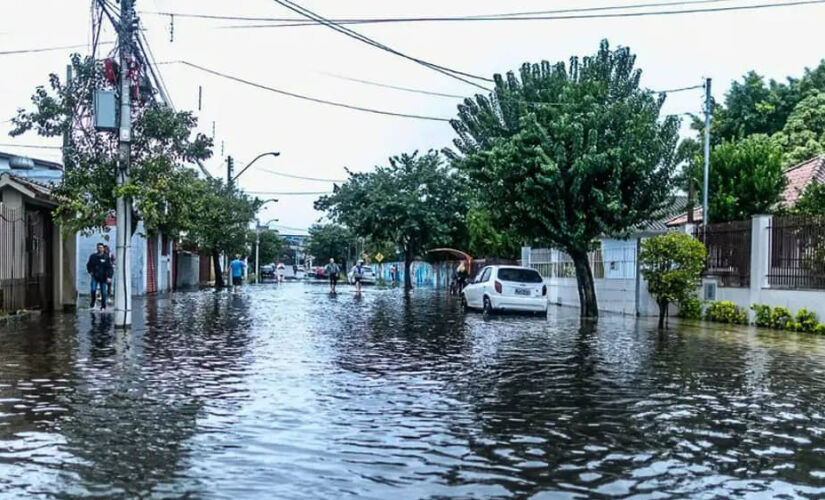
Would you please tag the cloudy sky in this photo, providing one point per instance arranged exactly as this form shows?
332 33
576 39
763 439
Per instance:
317 140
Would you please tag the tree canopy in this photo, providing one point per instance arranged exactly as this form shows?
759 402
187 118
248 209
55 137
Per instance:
416 201
329 241
803 135
564 154
746 178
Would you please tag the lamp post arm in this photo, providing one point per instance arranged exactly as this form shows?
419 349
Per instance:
253 161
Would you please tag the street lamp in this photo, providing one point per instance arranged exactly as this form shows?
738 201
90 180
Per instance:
268 153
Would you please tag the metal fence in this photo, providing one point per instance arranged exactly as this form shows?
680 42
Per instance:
557 264
797 252
25 259
729 252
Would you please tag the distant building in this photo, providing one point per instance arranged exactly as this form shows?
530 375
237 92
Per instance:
42 171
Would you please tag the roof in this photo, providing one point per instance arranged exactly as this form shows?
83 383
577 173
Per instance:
51 165
28 187
799 177
660 224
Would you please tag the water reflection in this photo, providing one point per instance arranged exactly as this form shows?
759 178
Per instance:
289 392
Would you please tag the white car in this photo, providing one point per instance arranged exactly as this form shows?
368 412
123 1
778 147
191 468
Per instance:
368 278
506 288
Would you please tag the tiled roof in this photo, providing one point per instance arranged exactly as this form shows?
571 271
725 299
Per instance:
40 191
660 225
799 176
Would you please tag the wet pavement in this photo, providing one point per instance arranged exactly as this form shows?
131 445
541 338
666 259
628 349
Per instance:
284 392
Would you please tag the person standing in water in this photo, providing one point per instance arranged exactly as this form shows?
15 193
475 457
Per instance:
237 267
358 275
332 270
113 260
100 272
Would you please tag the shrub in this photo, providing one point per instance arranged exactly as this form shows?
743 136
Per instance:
805 321
781 318
763 315
690 308
726 311
820 329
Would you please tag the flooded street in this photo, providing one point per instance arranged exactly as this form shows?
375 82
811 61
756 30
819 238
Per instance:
284 392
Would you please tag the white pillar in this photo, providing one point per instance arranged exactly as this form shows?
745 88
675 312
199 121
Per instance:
760 257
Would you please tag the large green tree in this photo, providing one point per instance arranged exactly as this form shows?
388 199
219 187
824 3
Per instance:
486 240
803 135
162 142
416 201
746 178
564 154
329 241
812 201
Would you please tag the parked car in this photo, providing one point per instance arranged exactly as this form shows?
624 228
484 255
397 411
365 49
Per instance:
267 271
506 288
368 277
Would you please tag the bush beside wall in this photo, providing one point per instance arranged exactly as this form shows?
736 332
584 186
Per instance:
778 318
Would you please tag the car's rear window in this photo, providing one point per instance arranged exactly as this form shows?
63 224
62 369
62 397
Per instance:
519 275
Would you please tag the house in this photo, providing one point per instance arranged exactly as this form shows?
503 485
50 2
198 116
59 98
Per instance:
620 287
799 177
37 262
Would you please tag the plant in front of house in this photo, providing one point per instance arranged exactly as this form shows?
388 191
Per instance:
726 311
672 264
781 318
690 308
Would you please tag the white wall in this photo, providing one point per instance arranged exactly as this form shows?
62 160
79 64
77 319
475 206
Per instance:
613 295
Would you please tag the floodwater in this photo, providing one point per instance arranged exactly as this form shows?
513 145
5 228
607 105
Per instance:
284 392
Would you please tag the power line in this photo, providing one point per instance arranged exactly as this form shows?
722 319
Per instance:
308 98
503 16
31 146
290 22
273 172
47 49
395 87
455 74
293 193
671 91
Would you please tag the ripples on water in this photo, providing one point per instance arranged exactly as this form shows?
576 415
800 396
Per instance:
288 393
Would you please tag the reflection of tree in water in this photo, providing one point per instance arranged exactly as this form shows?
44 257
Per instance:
133 411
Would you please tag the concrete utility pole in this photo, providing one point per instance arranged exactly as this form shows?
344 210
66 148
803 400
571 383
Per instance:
705 210
123 281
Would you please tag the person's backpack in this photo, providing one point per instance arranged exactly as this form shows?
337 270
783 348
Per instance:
358 271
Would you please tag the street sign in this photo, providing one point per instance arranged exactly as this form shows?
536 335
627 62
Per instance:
379 257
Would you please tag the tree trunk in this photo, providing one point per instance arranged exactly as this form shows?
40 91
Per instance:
216 262
407 273
586 285
662 311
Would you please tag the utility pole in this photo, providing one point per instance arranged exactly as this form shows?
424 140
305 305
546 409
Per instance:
230 169
705 209
123 282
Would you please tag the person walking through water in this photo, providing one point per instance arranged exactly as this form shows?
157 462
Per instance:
113 260
332 270
461 276
100 271
358 275
237 267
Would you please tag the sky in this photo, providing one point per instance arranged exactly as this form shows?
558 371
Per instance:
316 140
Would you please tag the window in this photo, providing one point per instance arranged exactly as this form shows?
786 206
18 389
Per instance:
519 275
485 275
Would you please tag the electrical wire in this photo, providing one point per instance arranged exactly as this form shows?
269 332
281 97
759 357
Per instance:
671 91
415 19
47 49
293 193
455 74
395 87
273 172
289 22
31 146
308 98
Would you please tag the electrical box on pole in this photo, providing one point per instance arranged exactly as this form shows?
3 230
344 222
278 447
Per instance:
105 108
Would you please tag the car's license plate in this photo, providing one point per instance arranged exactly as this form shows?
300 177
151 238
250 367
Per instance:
522 291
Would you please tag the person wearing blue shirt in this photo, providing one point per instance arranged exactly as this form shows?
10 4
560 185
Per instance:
237 267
